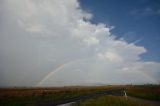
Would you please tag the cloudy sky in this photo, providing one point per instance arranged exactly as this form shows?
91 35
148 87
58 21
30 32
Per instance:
79 42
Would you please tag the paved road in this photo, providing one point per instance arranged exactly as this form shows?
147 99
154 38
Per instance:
67 104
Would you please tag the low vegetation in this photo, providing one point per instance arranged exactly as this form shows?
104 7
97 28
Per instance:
109 101
36 96
149 92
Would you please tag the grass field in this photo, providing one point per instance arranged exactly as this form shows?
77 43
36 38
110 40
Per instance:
36 96
149 92
110 101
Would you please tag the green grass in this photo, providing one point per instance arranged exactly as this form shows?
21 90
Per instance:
109 101
145 95
34 100
32 97
145 92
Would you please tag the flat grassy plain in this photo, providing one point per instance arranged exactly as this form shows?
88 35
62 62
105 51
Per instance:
110 100
149 92
39 96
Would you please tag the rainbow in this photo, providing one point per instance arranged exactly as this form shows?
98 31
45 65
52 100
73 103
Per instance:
58 69
77 60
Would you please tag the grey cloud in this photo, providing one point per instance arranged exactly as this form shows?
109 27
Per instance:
39 37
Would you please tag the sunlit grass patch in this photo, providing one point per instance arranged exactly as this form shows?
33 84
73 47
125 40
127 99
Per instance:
109 101
145 92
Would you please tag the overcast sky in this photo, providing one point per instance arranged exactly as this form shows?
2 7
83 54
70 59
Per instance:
64 42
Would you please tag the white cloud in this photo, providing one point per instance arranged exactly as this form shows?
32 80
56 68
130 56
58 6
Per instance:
91 41
110 56
56 35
